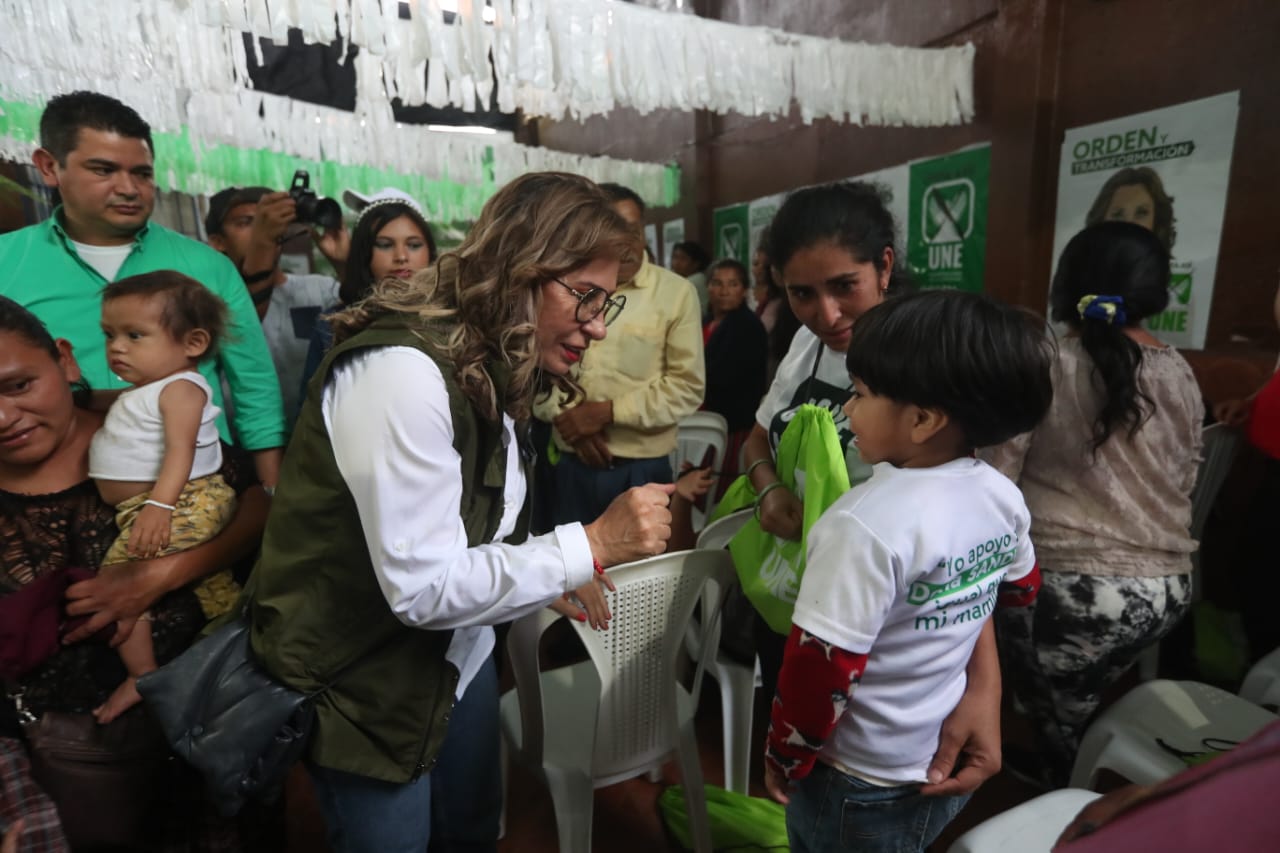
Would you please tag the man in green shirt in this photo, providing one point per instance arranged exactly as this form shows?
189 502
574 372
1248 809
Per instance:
98 153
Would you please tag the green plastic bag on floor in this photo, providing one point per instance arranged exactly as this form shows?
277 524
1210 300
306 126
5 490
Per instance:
811 464
738 822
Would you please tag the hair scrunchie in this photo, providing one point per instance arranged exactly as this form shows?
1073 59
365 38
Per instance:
1108 309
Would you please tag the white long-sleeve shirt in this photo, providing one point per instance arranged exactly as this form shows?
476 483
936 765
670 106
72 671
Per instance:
387 412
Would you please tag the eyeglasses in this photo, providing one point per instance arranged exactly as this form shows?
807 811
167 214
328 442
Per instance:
594 301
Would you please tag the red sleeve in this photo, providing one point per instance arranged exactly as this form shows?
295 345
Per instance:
1021 592
814 687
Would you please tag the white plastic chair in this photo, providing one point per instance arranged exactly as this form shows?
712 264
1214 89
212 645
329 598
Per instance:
716 535
695 435
1262 683
1219 452
737 682
1189 718
1031 827
623 712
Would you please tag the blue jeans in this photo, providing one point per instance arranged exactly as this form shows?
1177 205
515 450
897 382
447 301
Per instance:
455 807
583 492
832 811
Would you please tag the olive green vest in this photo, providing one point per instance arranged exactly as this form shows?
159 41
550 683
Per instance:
318 615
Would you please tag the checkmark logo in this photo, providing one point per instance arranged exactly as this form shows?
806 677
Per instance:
948 211
730 240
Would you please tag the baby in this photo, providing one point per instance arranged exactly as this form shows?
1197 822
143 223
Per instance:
157 456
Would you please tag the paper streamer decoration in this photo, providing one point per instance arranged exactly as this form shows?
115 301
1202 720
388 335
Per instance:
183 67
545 57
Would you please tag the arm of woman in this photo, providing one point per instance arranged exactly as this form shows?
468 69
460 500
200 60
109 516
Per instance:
781 512
969 745
395 452
124 591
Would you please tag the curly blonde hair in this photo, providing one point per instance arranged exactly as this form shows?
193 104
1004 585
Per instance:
487 291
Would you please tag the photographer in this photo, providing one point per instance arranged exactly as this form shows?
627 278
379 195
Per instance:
250 225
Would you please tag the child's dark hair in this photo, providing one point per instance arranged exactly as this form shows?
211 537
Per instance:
17 320
986 364
852 214
188 304
1126 267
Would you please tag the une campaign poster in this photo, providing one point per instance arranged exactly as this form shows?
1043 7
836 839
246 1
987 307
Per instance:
1166 170
946 233
939 205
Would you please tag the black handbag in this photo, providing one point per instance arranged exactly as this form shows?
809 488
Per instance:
223 714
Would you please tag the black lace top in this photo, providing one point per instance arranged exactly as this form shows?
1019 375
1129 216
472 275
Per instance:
73 529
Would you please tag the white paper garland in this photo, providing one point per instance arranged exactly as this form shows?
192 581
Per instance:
182 64
586 57
181 76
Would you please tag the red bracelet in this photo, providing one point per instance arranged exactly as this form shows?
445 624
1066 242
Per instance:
596 565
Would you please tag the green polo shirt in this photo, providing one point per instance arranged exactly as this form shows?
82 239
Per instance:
40 270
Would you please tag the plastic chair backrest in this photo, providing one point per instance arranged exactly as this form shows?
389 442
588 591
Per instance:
1220 445
715 537
697 434
717 534
636 659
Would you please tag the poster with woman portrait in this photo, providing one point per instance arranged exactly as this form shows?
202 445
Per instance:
1166 170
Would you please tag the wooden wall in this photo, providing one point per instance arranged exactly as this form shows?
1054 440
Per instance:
1043 66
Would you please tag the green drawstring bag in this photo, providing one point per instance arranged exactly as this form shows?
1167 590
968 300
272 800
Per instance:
811 464
739 496
738 822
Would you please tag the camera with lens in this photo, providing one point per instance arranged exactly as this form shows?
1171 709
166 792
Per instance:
312 209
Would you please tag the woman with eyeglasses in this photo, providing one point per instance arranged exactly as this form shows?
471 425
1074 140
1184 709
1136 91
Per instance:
397 536
637 386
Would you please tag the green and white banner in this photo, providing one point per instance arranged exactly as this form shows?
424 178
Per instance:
1136 168
738 227
947 220
759 214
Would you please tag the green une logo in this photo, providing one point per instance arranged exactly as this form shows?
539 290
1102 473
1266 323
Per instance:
947 211
1180 287
730 240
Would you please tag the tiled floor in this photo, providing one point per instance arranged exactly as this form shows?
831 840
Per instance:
626 816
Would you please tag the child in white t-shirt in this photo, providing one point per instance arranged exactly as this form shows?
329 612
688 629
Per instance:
904 570
157 456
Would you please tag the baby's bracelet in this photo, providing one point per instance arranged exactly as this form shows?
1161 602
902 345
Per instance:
776 484
756 464
171 507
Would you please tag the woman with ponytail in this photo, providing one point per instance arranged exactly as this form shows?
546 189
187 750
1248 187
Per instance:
1107 476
